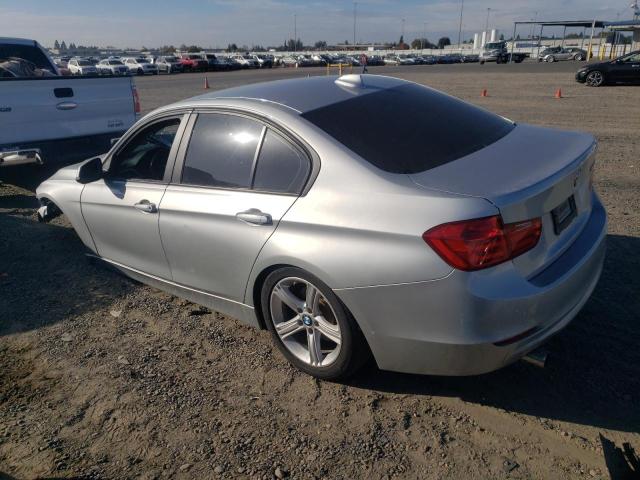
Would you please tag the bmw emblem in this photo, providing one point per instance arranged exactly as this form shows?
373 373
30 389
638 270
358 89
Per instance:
306 319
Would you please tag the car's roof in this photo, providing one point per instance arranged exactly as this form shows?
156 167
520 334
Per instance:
304 94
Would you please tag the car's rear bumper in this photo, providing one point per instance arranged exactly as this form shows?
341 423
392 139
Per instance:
466 324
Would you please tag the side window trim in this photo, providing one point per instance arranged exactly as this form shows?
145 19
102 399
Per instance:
122 144
311 156
256 156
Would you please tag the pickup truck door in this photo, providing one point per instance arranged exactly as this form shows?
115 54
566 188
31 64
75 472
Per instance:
121 210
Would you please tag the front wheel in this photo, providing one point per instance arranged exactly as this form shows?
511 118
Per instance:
595 79
310 326
579 57
551 59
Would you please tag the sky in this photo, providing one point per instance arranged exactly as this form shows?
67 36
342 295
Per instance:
216 23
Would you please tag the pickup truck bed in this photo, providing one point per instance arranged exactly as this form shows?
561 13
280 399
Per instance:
58 118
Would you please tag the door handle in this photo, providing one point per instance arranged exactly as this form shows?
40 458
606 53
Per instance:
146 206
254 217
66 105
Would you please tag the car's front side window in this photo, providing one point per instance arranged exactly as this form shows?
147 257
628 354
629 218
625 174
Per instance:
221 151
145 156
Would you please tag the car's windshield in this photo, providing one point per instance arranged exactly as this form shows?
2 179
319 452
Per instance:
142 60
84 63
421 128
493 45
115 62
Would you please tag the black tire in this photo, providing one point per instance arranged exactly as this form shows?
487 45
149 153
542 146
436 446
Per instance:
140 71
595 78
354 351
579 57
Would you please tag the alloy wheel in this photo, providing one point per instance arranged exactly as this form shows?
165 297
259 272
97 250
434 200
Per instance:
595 79
305 322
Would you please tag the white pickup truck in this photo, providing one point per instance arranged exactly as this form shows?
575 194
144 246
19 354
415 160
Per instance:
50 118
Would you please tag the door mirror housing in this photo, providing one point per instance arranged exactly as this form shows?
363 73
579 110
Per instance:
90 171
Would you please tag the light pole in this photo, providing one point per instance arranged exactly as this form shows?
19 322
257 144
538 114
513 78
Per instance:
486 26
355 10
424 35
460 27
295 32
402 35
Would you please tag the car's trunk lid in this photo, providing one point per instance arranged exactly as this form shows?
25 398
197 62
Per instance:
527 174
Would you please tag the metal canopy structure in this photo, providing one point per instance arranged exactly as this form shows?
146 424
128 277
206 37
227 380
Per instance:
584 24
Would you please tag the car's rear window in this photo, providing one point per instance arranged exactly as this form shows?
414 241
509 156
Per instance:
410 128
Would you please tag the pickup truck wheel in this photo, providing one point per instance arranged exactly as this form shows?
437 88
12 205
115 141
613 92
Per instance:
140 71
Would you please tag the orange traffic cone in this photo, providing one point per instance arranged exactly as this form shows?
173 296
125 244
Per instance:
206 82
484 93
558 93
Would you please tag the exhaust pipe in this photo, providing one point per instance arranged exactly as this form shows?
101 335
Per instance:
537 357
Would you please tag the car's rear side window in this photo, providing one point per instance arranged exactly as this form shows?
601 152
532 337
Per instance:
221 151
410 128
281 167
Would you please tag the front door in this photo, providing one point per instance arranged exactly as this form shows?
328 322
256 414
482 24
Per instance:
238 180
121 210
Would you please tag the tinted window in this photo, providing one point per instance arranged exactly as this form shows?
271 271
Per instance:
281 167
409 129
145 156
28 52
221 151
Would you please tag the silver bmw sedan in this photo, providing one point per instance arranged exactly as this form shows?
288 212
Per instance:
351 216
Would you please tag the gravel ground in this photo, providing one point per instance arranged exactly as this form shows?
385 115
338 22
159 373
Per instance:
101 377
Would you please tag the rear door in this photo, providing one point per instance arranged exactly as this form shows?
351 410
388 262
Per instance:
122 209
38 109
234 180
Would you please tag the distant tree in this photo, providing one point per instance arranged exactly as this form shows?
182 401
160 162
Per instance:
194 48
232 47
258 48
502 37
401 40
422 43
63 46
517 37
56 45
166 49
320 45
443 42
183 48
294 45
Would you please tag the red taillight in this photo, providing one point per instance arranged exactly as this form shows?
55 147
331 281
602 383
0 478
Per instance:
136 99
483 242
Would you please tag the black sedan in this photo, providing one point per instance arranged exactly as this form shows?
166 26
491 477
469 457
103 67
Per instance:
624 69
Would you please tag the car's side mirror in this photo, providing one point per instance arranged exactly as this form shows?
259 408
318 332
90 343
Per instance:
90 171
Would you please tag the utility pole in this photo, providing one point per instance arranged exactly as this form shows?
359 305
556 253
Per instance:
460 27
295 32
403 29
355 11
486 25
424 35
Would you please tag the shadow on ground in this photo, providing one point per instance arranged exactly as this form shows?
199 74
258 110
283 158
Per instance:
592 375
45 277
